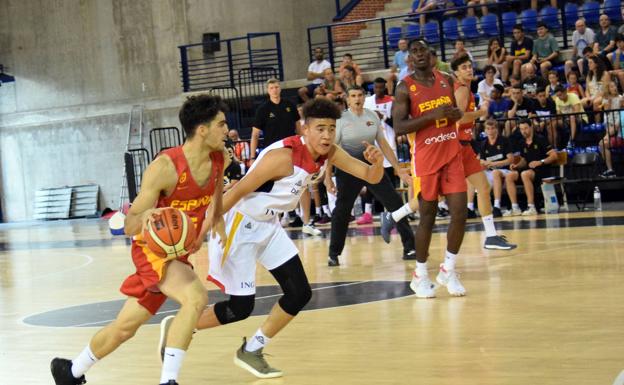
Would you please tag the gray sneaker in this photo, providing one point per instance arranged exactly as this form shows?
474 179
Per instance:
255 363
387 223
498 242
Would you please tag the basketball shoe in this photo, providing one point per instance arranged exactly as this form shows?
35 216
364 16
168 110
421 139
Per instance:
255 363
62 374
387 224
450 279
423 287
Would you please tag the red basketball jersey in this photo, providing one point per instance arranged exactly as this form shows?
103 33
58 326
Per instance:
464 130
436 145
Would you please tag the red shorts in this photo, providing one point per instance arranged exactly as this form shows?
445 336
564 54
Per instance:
150 270
449 179
470 160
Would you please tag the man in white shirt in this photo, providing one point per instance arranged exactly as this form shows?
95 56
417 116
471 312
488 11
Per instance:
581 38
315 74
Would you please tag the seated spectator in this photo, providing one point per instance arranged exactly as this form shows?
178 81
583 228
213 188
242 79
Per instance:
605 37
496 57
437 63
545 50
531 81
534 4
522 108
347 78
496 157
553 82
331 88
597 79
574 86
499 105
536 154
581 38
569 103
407 71
241 150
545 110
315 74
398 64
485 87
617 59
520 51
613 137
347 60
484 8
460 50
430 5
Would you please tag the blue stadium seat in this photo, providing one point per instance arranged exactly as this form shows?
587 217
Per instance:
451 29
489 24
430 32
549 16
613 9
509 20
469 27
571 13
394 35
528 19
415 5
591 12
412 31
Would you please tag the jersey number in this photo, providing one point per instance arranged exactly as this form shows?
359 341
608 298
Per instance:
441 122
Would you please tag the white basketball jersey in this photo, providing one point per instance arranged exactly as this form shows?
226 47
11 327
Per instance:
282 195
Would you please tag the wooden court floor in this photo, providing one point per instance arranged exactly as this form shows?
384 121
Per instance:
549 312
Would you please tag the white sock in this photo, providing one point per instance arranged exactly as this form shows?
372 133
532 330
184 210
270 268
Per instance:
83 362
368 208
318 211
171 364
442 205
488 223
401 212
531 205
449 261
515 206
258 341
497 203
471 206
326 210
421 270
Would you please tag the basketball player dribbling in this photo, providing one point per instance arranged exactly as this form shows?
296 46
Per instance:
274 185
188 177
425 108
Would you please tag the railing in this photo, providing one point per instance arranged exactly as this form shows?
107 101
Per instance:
375 49
342 11
203 66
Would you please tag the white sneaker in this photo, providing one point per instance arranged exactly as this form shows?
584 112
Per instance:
529 211
311 230
512 213
450 279
423 287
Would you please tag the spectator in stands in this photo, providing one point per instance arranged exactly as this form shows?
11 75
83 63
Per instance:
597 80
569 103
348 78
347 60
496 156
499 105
398 64
241 150
545 111
407 70
605 37
581 38
437 63
614 136
460 50
545 50
536 154
485 87
617 59
520 51
315 74
331 88
430 5
484 8
534 4
522 108
532 82
233 173
574 86
553 82
496 55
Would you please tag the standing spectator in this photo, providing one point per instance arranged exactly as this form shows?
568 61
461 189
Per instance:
347 60
614 135
499 105
485 87
520 51
545 50
315 74
331 88
398 64
617 59
605 37
581 37
496 55
569 103
460 50
496 156
241 150
545 110
536 155
574 86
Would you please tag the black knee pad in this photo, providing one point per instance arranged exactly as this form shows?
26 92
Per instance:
237 308
294 283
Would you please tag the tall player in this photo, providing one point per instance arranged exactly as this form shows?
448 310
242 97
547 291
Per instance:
274 185
187 177
462 67
425 108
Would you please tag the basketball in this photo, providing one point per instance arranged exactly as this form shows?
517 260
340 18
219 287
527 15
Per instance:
171 234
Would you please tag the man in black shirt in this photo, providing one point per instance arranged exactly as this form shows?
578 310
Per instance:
536 154
522 108
532 82
277 119
496 156
520 52
545 110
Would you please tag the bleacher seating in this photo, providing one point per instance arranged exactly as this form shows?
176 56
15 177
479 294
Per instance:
591 12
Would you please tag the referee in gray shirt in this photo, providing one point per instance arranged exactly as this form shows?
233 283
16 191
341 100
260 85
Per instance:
356 125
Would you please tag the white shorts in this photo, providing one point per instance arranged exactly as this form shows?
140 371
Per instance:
233 267
490 177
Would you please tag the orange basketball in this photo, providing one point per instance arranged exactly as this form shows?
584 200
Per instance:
171 234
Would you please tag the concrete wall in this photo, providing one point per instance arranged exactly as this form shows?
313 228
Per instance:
80 65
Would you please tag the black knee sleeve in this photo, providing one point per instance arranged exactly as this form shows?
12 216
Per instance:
237 308
294 283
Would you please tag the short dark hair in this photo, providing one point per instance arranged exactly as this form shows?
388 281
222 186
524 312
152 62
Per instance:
321 108
542 24
349 68
517 87
487 68
417 40
518 27
200 109
560 88
459 61
540 89
499 87
587 50
356 88
491 122
619 37
348 55
525 121
380 80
